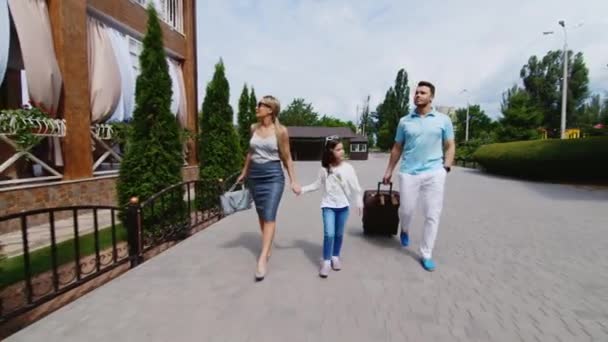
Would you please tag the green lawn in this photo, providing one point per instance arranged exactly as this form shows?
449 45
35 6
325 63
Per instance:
12 269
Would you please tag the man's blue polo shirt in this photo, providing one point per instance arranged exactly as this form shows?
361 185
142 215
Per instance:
423 139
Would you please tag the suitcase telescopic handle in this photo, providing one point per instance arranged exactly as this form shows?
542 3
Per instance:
390 187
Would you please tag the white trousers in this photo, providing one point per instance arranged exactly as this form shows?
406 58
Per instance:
426 189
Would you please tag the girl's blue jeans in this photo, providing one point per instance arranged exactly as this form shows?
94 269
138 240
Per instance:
334 220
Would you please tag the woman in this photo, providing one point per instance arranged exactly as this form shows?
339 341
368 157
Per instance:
268 147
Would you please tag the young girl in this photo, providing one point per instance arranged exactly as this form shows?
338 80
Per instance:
340 187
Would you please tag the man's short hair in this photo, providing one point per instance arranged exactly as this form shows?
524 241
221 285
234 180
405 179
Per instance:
427 84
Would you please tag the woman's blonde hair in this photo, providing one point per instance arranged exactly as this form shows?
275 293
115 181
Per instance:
274 105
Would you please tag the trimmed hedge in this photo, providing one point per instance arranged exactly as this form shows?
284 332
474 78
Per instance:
565 160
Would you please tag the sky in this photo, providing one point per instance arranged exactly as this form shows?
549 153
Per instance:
333 53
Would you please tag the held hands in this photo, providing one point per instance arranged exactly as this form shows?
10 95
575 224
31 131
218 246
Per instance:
240 179
296 188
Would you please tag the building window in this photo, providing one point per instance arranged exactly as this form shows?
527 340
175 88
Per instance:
358 147
169 11
135 47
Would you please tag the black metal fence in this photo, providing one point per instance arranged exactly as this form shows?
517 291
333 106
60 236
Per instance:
37 274
60 249
172 214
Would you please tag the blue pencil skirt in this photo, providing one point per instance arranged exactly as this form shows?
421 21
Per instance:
266 183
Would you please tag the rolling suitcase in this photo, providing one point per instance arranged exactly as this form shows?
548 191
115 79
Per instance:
381 211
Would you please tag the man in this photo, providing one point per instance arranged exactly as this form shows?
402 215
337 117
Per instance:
425 139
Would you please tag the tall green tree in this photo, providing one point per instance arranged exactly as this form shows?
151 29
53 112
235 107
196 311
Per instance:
604 111
392 109
299 113
244 118
366 122
521 116
542 79
589 114
330 121
253 103
480 125
153 158
402 93
384 112
220 150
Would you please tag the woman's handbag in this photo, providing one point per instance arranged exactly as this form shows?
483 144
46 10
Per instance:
236 200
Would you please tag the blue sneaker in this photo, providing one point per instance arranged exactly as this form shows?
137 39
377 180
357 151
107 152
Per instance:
405 239
428 264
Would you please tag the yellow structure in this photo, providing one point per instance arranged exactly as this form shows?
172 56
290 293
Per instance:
573 133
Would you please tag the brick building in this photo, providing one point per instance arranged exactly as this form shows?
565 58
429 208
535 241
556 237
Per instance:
307 142
72 57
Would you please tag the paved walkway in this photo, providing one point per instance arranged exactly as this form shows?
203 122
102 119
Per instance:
517 261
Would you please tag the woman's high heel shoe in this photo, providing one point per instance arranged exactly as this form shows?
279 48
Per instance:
260 274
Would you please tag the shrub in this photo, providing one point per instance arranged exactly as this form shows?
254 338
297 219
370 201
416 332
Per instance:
568 160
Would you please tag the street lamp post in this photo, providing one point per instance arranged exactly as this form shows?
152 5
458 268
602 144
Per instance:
466 130
564 78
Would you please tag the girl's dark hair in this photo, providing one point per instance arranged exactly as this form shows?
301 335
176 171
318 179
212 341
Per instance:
328 157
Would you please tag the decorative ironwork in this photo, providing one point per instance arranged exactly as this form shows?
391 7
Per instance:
103 136
168 216
173 213
11 125
39 284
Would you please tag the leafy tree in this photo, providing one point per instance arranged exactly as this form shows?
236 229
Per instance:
153 158
604 112
542 79
521 116
589 114
299 113
244 118
479 123
330 121
253 103
390 111
366 122
220 150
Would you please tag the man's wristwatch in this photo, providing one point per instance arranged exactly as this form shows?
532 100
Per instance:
447 168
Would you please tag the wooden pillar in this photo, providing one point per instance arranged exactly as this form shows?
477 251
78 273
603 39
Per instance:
190 78
69 26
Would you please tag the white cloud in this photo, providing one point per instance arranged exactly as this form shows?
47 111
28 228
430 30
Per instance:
334 53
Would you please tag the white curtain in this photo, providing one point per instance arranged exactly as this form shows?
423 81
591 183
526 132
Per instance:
25 93
31 19
120 44
182 115
104 74
176 97
33 25
5 36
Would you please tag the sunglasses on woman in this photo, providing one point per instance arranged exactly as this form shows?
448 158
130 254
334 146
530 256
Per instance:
262 104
